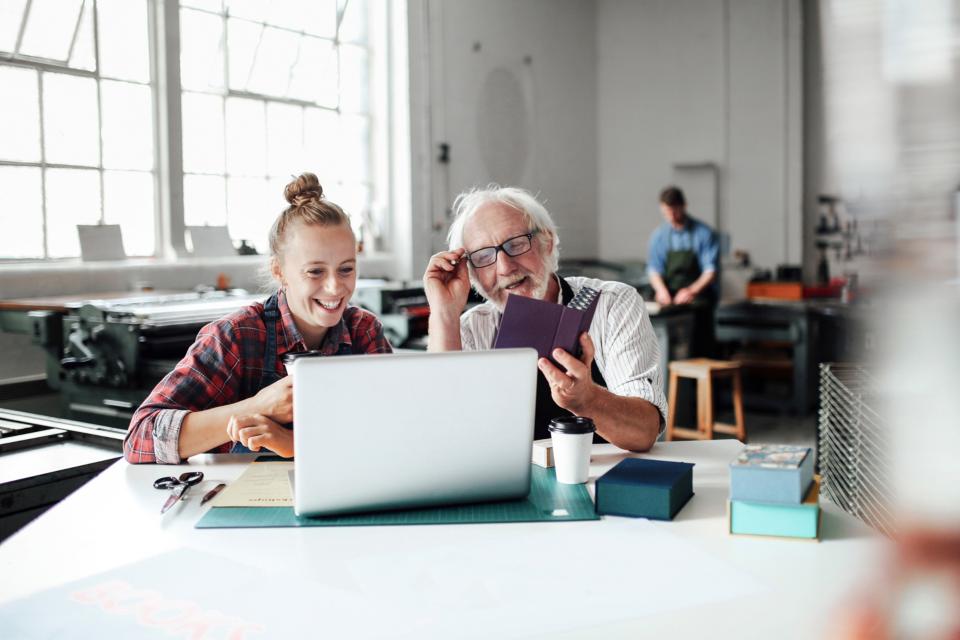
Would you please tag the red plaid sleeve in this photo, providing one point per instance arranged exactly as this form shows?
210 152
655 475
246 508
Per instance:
208 376
366 332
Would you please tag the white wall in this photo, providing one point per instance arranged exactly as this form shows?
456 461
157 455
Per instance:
682 81
512 89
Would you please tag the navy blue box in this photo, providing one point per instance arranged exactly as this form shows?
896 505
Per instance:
640 488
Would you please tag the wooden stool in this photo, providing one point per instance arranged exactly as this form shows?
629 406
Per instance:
704 370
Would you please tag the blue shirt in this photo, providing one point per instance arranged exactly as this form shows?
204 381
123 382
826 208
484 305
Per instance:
694 236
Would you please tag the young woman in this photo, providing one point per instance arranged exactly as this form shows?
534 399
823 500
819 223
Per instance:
230 392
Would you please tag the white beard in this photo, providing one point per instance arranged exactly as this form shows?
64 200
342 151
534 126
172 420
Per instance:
539 291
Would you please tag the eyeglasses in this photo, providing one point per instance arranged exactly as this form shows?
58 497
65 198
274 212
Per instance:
513 247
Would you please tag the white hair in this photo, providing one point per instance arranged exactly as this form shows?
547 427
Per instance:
535 214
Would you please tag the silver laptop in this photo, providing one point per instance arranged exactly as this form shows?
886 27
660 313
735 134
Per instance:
381 432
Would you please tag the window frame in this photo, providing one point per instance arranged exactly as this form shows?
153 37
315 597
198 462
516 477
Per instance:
163 26
43 66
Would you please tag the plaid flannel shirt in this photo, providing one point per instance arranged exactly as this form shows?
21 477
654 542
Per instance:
224 365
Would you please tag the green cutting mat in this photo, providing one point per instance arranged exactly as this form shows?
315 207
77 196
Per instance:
548 501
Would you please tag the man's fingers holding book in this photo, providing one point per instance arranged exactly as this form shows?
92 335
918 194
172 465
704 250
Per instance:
588 350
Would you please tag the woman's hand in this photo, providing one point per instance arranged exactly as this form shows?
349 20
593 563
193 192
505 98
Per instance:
257 432
276 401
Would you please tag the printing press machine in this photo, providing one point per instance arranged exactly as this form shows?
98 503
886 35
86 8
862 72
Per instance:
402 308
105 355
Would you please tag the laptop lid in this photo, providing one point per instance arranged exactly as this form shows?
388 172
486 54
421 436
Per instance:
391 431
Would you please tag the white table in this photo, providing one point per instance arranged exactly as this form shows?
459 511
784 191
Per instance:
785 588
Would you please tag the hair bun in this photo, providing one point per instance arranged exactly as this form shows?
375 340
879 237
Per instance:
302 189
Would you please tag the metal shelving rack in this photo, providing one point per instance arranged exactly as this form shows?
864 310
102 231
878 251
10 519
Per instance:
853 445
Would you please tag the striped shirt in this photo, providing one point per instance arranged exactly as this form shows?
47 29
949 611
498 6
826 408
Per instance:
627 351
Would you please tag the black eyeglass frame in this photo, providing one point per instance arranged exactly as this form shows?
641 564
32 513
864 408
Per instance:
502 247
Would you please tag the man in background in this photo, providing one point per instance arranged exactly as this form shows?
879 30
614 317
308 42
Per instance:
683 263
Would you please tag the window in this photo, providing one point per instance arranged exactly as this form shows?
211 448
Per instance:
76 124
269 89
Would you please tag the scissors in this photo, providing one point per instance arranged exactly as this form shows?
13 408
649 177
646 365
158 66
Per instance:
178 486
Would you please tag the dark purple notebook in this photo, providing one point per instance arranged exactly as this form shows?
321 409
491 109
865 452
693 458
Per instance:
545 326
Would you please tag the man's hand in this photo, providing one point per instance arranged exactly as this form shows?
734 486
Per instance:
446 282
663 297
684 296
573 389
257 432
276 401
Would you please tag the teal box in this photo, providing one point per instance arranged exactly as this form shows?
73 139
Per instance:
784 520
640 488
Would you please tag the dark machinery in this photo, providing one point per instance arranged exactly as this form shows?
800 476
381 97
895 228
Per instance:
104 356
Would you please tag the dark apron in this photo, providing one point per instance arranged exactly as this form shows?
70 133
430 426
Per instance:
547 409
682 270
271 315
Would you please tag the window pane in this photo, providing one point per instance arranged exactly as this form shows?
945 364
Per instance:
11 13
315 73
49 30
354 79
246 138
201 50
123 39
73 197
19 115
71 130
273 61
252 210
209 5
354 200
128 201
22 201
204 200
249 9
202 133
127 125
287 13
353 27
320 18
321 153
355 149
242 41
83 56
284 139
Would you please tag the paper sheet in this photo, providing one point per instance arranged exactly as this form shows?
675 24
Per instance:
263 484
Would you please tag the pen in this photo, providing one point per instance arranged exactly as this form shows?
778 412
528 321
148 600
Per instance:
213 492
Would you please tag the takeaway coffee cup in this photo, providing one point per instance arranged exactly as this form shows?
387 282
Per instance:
572 440
289 359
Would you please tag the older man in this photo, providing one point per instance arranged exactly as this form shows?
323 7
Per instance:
503 241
